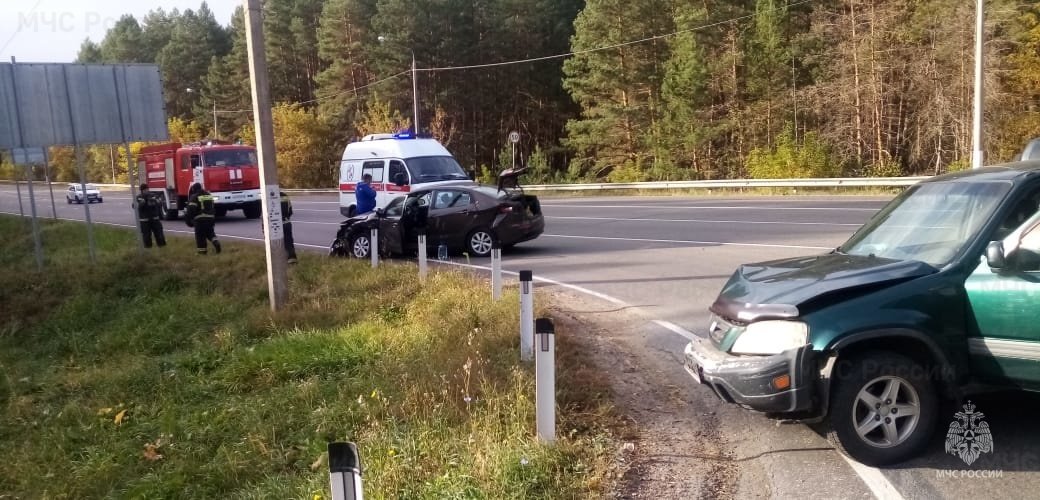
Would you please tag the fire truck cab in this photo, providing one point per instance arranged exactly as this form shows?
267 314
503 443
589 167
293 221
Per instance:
228 171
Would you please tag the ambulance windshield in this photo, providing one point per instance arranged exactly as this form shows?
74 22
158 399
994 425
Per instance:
230 158
435 168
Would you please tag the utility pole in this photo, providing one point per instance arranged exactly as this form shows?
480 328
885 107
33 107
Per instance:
277 274
216 131
976 126
415 96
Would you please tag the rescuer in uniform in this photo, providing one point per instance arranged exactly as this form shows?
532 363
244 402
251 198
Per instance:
148 208
201 214
290 247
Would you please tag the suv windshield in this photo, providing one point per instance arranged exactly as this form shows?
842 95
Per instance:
435 168
230 158
929 222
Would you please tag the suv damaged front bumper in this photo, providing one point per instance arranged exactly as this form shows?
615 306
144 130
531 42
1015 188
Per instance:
781 383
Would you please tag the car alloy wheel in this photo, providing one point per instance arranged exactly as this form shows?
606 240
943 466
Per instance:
359 246
883 408
480 243
887 411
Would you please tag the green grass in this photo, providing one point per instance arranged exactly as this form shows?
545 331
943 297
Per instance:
104 368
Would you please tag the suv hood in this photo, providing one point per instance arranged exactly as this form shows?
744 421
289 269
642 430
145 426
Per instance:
774 289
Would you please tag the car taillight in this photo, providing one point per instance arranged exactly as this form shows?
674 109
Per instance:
505 208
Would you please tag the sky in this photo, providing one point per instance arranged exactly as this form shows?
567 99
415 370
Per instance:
52 30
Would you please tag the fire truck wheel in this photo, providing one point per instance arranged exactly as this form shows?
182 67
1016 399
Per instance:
252 211
170 214
221 211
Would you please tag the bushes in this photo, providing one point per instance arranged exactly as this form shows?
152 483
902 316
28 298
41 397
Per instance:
789 159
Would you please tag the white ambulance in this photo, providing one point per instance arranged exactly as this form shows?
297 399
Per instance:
399 164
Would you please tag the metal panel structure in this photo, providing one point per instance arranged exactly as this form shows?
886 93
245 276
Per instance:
61 104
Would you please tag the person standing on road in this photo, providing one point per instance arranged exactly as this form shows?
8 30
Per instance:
148 207
201 214
366 196
290 247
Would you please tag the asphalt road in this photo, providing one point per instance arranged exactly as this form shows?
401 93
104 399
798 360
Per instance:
667 258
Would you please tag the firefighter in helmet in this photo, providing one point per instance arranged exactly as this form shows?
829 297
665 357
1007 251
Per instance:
201 215
148 209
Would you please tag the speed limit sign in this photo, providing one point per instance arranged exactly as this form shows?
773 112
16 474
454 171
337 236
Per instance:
514 137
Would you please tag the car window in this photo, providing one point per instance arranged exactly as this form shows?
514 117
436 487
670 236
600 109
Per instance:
397 167
396 207
451 199
373 168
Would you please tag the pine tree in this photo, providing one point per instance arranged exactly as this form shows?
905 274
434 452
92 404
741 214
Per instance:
89 52
343 41
124 43
616 88
685 97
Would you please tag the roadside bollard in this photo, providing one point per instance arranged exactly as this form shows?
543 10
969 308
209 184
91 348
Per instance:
373 247
545 380
526 316
496 270
422 255
345 471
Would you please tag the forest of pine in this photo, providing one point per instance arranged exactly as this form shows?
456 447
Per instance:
639 90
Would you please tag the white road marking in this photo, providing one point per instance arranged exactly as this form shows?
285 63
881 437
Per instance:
576 288
882 488
309 222
692 242
706 207
312 209
707 221
668 325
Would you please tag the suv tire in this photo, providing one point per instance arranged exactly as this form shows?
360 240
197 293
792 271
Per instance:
883 408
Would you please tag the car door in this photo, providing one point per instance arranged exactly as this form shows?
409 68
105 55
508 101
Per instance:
1003 302
391 232
453 214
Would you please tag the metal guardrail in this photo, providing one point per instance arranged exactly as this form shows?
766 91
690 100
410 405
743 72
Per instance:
723 183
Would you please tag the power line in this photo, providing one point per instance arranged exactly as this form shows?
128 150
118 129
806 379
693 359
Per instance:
608 47
322 98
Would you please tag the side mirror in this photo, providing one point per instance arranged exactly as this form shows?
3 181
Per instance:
995 255
380 212
400 180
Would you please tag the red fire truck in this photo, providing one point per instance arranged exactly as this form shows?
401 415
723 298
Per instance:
228 171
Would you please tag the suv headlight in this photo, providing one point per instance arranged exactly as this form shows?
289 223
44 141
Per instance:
771 337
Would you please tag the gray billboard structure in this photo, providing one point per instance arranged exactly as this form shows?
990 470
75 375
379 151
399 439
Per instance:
45 104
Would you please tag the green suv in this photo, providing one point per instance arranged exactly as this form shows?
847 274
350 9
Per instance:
937 296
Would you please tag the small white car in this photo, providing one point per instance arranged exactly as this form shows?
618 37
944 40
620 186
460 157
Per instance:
74 194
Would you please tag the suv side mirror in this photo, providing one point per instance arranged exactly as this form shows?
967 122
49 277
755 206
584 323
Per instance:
995 255
380 212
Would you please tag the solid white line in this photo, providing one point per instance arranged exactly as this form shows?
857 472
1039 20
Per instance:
668 325
708 221
576 288
695 207
882 488
721 243
309 222
312 209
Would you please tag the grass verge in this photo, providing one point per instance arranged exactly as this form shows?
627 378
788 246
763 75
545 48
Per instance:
164 375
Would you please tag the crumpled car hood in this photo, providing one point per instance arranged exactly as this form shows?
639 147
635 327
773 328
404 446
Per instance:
774 289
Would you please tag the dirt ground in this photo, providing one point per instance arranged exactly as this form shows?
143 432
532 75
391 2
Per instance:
671 446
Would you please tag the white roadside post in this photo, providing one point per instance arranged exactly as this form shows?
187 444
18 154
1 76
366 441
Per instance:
526 316
421 250
345 471
545 380
373 247
496 268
